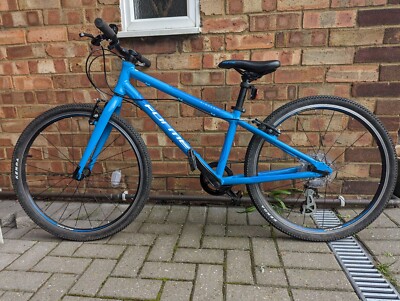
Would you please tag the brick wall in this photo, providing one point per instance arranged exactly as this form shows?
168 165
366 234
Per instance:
349 48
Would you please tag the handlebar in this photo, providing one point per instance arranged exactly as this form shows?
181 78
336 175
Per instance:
110 34
107 30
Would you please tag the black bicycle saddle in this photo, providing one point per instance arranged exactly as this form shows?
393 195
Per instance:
261 67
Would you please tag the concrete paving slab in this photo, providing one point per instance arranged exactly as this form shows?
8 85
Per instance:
186 253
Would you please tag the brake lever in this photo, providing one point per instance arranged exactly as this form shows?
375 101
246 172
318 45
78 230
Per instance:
88 35
95 40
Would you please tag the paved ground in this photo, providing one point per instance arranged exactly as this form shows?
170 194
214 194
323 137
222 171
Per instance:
185 253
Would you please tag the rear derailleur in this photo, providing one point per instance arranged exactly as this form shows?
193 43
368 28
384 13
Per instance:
309 206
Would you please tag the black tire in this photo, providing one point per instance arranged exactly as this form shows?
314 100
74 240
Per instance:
45 157
347 137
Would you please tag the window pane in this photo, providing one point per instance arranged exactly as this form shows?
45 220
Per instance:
145 9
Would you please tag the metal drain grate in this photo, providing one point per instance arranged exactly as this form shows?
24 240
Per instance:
367 281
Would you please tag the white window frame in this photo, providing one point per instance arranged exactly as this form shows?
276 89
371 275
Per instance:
132 27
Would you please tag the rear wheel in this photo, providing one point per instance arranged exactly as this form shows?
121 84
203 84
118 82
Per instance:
104 202
349 139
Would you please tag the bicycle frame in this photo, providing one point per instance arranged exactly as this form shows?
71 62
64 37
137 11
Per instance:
124 87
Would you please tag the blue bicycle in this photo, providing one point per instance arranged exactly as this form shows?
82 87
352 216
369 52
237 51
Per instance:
81 172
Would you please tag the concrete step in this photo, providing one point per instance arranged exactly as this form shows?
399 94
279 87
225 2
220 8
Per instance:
12 215
8 210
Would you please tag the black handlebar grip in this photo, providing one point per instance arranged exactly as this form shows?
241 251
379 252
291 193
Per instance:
106 29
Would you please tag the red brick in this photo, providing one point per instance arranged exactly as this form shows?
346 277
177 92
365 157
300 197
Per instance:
47 34
17 97
71 81
377 54
213 139
71 3
33 83
300 75
152 45
256 41
47 66
390 73
8 5
341 90
212 7
286 56
359 36
14 125
182 61
392 36
329 19
12 36
19 52
22 19
201 78
109 13
235 6
193 124
214 94
204 43
269 5
8 112
377 17
214 124
354 73
169 77
5 82
34 18
302 38
69 49
7 20
332 56
387 107
380 89
66 16
302 4
38 4
14 68
224 24
391 123
255 6
211 60
275 21
356 3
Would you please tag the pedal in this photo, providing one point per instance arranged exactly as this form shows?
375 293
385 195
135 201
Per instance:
192 160
235 196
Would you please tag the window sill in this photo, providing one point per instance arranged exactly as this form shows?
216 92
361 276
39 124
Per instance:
159 32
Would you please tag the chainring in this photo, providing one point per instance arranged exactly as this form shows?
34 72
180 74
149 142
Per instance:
209 187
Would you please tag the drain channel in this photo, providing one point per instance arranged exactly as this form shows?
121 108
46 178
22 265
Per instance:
367 281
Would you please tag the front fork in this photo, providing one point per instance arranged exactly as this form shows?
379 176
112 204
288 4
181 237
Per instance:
98 138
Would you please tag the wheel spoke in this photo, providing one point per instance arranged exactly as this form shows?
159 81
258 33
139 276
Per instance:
344 130
93 203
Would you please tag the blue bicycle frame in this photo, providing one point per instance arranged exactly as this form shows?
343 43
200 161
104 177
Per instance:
124 87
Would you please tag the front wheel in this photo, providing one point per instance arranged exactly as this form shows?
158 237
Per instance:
343 135
101 204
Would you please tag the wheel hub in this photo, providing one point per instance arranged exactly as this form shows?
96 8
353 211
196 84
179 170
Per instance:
322 181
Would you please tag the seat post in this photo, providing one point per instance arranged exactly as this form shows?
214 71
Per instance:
244 86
